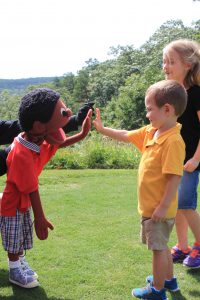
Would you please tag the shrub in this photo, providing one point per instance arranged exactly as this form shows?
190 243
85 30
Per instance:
96 152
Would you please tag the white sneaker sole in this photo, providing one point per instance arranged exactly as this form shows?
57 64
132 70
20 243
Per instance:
30 285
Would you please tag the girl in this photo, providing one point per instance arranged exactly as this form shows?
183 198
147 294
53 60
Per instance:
181 62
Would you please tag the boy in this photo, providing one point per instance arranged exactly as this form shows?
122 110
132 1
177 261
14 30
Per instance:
160 170
42 114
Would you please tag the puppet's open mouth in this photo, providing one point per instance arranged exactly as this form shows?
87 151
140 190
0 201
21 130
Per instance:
56 137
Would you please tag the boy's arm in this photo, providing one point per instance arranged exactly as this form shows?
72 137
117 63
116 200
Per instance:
170 191
81 135
41 223
120 135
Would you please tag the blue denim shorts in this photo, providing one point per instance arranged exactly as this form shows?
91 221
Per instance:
187 191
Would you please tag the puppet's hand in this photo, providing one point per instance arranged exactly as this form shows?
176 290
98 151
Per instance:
86 124
41 228
82 113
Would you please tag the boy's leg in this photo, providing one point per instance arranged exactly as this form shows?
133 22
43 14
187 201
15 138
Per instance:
170 281
170 266
156 235
162 268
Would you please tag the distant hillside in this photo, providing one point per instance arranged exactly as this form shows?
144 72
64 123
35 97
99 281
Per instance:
21 84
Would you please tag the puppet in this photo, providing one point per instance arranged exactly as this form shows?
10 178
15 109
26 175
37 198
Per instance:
42 115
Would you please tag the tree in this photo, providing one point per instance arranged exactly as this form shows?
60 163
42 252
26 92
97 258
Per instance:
80 92
9 105
68 82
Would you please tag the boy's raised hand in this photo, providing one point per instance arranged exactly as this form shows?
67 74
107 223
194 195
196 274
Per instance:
97 122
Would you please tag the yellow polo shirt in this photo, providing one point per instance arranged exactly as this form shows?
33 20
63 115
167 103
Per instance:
160 156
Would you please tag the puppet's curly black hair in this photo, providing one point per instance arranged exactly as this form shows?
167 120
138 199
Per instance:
37 105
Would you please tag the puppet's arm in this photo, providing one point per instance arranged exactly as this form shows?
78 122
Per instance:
41 223
10 129
81 135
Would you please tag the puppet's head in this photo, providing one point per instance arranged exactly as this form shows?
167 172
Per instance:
42 115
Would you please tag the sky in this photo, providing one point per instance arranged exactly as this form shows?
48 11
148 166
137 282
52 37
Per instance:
43 38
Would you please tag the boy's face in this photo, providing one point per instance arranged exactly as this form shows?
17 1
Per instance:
51 131
157 115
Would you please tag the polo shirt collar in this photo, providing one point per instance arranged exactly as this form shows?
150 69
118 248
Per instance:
151 130
29 145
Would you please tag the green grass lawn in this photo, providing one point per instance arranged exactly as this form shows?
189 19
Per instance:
94 252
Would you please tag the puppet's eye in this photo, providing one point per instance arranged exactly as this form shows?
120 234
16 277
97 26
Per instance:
63 112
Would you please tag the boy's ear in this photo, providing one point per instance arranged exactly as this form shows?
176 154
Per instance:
38 127
169 108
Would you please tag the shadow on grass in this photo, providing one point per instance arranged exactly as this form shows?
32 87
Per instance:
195 273
21 293
177 296
194 294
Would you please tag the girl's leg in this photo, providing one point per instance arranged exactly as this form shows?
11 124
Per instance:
187 203
181 230
193 220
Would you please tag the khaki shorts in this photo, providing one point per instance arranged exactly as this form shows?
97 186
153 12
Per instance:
156 234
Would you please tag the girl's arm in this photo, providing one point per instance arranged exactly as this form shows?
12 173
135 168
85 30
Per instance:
193 163
120 135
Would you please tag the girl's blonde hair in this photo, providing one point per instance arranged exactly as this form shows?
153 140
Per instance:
189 52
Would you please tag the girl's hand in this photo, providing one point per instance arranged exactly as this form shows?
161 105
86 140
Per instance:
97 122
191 165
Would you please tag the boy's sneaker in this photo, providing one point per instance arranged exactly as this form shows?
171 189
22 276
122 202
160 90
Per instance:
27 269
170 285
149 292
18 277
178 255
193 259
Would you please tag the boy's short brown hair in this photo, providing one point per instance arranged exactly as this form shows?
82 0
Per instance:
171 92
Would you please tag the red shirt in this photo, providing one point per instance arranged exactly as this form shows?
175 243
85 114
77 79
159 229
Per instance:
25 163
